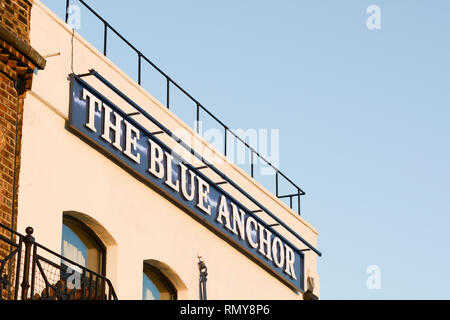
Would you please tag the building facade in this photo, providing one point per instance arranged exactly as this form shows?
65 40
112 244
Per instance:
115 182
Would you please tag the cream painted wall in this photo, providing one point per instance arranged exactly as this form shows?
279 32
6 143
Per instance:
60 172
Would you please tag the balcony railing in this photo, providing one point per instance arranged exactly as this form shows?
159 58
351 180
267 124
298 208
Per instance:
254 156
30 271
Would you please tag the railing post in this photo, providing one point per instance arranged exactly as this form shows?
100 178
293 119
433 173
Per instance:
105 38
251 163
225 141
198 118
67 10
33 272
276 183
17 274
29 241
168 93
139 67
298 199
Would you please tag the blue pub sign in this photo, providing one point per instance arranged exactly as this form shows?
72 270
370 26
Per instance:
109 129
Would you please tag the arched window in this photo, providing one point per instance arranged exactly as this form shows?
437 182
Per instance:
156 286
81 245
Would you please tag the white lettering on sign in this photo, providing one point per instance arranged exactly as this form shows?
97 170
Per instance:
156 160
162 164
131 140
93 105
203 190
169 180
109 125
188 196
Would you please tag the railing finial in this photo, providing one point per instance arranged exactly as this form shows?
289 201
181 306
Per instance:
29 231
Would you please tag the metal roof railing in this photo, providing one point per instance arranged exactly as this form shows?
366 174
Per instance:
141 58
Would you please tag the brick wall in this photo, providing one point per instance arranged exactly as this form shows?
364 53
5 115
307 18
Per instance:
8 109
17 63
15 16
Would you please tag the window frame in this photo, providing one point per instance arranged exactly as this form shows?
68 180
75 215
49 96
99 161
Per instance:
78 226
162 278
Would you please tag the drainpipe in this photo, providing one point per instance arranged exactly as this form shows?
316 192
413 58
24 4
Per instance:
20 89
19 85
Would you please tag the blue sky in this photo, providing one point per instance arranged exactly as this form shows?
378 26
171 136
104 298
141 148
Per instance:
363 116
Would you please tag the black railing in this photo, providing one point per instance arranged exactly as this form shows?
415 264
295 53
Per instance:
30 271
199 107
